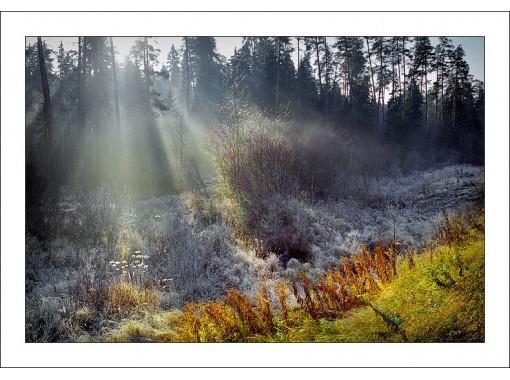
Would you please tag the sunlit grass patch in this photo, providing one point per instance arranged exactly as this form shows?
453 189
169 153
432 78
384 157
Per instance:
123 298
433 296
429 307
153 327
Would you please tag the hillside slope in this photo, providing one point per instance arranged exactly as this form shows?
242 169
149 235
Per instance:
434 296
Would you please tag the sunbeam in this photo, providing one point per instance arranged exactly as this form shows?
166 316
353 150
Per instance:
300 189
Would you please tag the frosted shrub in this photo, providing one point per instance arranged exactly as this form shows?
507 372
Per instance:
218 240
43 320
101 212
88 218
35 257
254 159
272 264
203 211
62 252
197 263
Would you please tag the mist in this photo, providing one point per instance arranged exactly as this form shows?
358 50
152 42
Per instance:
160 183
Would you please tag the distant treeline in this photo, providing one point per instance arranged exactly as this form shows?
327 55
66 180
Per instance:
418 97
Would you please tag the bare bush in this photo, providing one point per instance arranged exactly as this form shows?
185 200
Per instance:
253 156
202 264
44 320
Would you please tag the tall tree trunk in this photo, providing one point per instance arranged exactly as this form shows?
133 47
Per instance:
379 102
146 70
80 83
392 75
371 68
349 84
79 159
317 52
436 101
277 71
326 76
381 80
398 70
47 108
339 76
426 99
186 61
84 61
347 74
436 119
404 64
59 91
383 103
115 89
298 43
442 95
454 106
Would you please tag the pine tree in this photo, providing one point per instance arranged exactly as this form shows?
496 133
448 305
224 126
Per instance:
285 72
173 64
459 96
115 87
405 56
368 41
442 51
240 77
209 76
146 57
187 72
306 91
47 105
81 84
380 47
477 147
63 64
33 81
351 61
315 44
421 67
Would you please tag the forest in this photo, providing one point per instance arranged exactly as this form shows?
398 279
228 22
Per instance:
319 189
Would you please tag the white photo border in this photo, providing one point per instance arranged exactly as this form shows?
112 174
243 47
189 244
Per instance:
15 352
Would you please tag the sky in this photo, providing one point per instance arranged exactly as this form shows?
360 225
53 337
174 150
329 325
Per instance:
473 46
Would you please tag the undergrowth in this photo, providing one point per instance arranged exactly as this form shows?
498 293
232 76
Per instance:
377 295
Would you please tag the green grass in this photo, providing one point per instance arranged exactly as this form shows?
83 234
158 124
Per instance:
428 307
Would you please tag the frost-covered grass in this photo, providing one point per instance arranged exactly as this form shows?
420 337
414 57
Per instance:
406 208
434 296
189 253
155 254
428 307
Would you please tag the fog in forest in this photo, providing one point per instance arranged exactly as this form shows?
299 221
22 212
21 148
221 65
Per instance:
159 182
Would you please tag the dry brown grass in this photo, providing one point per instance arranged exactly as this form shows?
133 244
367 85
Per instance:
282 293
455 229
124 298
237 317
340 289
